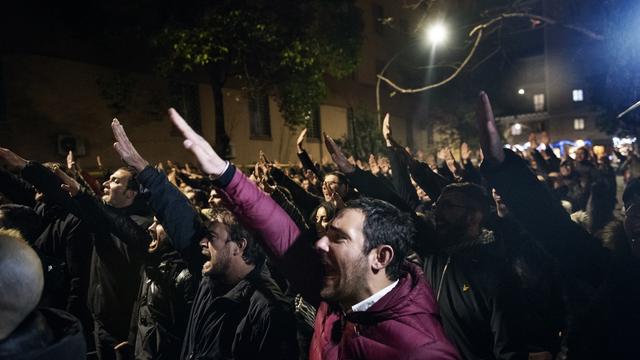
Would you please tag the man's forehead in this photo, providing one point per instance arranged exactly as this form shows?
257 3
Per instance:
349 218
120 174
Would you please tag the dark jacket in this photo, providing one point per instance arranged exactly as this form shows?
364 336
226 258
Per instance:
404 323
45 334
64 243
478 299
120 245
253 320
162 307
601 295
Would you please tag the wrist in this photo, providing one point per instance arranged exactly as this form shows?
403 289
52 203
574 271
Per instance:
218 169
140 165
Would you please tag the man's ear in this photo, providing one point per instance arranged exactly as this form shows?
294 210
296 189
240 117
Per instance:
241 246
130 194
381 257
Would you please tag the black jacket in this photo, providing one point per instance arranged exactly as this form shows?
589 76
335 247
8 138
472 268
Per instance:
120 244
601 295
478 299
253 320
163 306
64 243
45 334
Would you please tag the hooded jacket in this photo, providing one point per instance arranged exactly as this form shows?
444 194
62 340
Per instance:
45 334
402 324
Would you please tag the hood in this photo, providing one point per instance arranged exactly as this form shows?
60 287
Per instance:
412 296
45 334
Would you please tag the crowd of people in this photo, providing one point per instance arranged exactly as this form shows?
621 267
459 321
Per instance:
517 255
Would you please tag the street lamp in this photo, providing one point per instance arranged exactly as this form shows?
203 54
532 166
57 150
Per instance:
521 92
436 34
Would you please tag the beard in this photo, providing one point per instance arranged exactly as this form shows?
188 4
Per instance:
342 285
216 264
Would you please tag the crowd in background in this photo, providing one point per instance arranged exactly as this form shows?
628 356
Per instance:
494 254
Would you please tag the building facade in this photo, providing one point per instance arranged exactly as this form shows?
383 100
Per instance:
55 100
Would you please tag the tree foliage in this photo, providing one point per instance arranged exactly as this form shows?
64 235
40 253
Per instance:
284 48
364 136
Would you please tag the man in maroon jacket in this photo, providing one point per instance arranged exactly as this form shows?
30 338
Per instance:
375 305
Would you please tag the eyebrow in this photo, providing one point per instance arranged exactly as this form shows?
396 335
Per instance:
338 232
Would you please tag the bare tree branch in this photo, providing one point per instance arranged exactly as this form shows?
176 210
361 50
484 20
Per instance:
478 31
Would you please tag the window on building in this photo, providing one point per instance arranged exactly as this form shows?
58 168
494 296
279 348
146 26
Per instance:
313 124
516 129
578 124
259 116
185 98
378 16
578 95
538 102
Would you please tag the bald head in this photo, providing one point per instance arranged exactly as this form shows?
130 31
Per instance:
21 281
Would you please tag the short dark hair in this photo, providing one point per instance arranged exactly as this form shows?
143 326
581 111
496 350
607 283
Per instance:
384 224
252 254
475 194
133 183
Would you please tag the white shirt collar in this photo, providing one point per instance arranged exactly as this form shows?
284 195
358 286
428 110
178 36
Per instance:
365 304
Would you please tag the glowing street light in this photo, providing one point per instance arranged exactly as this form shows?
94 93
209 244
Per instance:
521 92
436 34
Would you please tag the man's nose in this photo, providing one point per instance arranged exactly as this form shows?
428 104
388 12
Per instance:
322 245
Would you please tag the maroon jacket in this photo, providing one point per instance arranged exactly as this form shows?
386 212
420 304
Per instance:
402 325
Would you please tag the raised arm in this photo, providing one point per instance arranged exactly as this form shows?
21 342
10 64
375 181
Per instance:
279 235
399 172
306 161
174 211
533 205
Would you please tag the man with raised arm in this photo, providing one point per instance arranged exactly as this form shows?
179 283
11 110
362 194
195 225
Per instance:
374 304
601 295
239 312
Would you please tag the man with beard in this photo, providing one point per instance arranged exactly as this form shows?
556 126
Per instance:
120 242
238 312
471 274
600 290
377 306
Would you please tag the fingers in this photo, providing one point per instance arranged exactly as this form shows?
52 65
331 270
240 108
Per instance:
182 125
197 150
119 149
386 126
191 135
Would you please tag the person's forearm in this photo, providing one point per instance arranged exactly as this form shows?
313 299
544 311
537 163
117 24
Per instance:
279 235
174 211
17 190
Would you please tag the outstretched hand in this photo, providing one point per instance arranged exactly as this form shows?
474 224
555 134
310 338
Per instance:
492 148
12 159
125 148
210 162
300 140
338 157
465 152
386 130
